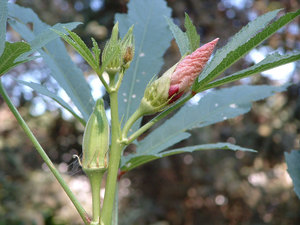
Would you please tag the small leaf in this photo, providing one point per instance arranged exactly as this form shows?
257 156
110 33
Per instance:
293 163
271 61
243 42
11 52
181 38
96 51
133 162
3 18
191 32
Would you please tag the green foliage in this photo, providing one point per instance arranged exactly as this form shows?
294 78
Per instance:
152 38
75 41
140 160
293 163
64 71
3 18
44 91
11 52
214 107
271 61
187 41
241 43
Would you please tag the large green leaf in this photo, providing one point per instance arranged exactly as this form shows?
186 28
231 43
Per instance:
243 42
293 163
11 52
269 62
215 106
137 161
3 18
44 91
64 71
152 38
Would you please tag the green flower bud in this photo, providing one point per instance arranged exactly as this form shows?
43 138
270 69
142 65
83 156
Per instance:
96 139
112 53
128 48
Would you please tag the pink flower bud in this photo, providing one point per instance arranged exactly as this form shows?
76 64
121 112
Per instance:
188 70
177 80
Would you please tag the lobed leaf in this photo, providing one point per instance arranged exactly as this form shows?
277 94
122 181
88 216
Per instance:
152 38
293 163
241 43
44 91
140 160
64 71
271 61
11 52
96 51
212 108
3 19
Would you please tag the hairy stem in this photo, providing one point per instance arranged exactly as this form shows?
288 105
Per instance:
45 157
114 161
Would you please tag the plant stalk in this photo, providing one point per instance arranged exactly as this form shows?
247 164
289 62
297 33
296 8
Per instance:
45 157
114 161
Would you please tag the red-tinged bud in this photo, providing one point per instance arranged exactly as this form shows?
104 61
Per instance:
188 70
176 81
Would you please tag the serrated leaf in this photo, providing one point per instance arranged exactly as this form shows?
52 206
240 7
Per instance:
44 91
152 38
11 52
271 61
243 42
191 32
181 38
293 163
134 162
214 107
3 18
76 42
64 71
96 51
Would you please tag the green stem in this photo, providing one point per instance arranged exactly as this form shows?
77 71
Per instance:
114 161
135 116
158 118
45 157
95 177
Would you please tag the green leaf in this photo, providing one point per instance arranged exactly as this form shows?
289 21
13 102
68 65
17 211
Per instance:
130 163
3 18
44 37
64 71
181 38
191 32
271 61
243 42
293 163
96 51
214 107
152 38
76 42
11 52
44 91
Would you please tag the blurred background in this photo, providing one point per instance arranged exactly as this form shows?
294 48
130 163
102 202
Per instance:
209 187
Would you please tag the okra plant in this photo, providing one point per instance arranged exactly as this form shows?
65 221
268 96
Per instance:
132 59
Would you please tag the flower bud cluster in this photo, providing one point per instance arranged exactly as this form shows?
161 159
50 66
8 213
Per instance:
118 53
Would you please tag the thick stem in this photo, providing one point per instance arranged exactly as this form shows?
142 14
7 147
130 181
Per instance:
95 177
114 161
45 157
